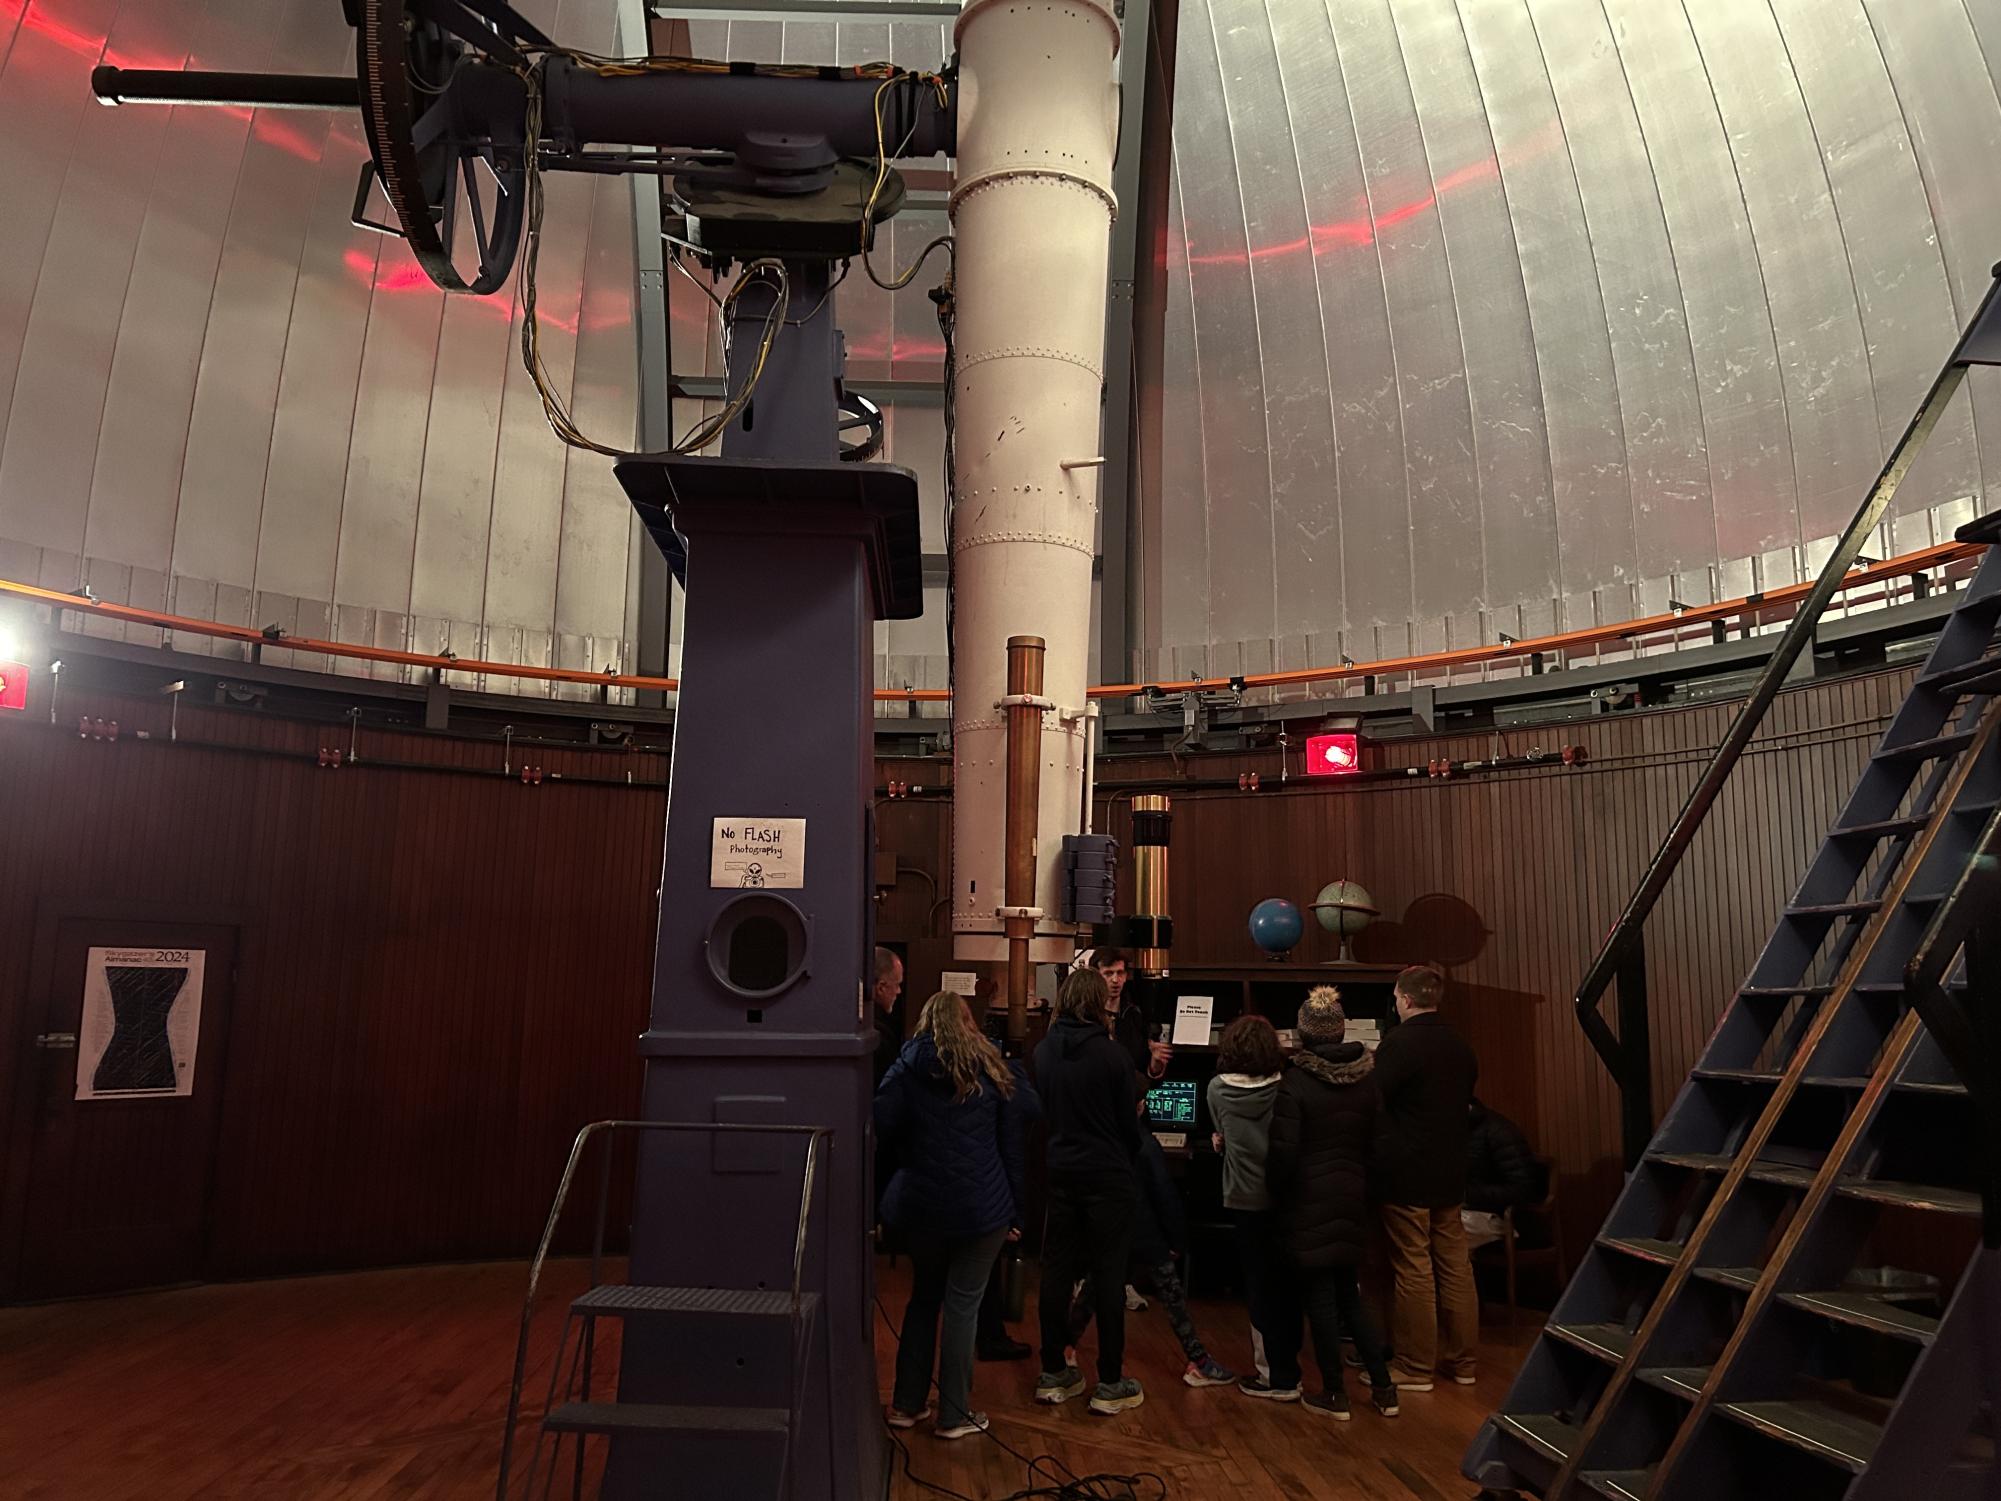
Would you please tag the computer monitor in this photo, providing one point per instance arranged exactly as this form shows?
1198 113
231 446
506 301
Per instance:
1170 1106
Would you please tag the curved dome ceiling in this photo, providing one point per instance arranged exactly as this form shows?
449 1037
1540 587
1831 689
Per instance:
220 399
1520 316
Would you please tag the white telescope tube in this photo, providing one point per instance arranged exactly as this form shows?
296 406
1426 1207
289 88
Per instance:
1032 210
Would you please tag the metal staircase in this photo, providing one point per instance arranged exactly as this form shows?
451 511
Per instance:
1797 1291
775 1328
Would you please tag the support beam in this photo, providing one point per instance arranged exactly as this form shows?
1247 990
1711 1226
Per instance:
653 585
1137 295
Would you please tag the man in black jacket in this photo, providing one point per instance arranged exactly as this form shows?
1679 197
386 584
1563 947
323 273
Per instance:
1425 1073
1090 1103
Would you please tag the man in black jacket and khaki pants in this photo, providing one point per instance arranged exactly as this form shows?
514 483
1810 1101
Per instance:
1426 1072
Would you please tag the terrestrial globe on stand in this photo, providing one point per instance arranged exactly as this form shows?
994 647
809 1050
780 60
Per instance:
1276 926
1344 909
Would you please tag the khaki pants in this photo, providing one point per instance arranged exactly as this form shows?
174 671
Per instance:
1436 1320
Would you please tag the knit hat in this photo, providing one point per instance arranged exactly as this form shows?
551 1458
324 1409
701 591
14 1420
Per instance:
1321 1019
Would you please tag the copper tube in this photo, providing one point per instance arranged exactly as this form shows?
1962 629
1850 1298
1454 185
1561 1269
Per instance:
1749 606
1024 802
1150 825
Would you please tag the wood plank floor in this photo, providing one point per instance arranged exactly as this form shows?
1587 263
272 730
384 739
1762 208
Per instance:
394 1385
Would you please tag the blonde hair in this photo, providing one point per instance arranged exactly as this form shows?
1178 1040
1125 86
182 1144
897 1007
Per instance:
962 1049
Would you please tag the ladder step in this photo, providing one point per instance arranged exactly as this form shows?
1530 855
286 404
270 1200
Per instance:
1767 1077
1911 1195
1660 1252
1886 828
1787 992
1762 1076
1701 1162
1866 1312
630 1300
1619 1485
1967 677
1949 744
1896 987
1678 1381
1829 910
1741 1278
638 1417
1813 1427
1546 1433
1783 1174
1947 1088
1609 1342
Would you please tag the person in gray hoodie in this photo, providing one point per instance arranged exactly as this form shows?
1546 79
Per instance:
1249 1062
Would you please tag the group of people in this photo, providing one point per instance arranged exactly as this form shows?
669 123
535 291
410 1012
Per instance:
1314 1148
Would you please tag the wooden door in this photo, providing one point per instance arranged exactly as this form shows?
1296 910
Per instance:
128 1097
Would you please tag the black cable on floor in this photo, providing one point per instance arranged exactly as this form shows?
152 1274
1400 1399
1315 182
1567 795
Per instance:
1064 1486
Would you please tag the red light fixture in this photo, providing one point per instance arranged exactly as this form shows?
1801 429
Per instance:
1334 755
13 685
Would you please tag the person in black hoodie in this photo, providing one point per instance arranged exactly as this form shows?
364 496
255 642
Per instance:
1323 1137
1090 1100
1160 1238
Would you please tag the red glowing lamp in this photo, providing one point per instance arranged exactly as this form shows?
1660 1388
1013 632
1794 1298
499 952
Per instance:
13 685
1334 755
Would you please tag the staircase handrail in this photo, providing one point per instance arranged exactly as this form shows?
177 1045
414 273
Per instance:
813 1135
1627 1053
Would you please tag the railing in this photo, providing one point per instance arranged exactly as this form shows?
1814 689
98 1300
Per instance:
1745 610
793 1391
1628 1053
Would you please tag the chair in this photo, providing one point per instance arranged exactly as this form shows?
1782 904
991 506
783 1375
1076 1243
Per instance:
1514 1255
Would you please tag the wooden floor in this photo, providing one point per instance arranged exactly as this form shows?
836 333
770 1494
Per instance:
394 1385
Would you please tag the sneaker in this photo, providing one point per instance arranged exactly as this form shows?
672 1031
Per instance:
907 1419
1257 1386
1384 1399
1004 1349
1059 1386
1116 1396
1467 1379
1410 1383
972 1423
1207 1373
1134 1302
1332 1404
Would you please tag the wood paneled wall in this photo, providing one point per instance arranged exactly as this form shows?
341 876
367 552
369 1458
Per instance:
443 972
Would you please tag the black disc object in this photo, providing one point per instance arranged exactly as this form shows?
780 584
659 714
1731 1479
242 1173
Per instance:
405 64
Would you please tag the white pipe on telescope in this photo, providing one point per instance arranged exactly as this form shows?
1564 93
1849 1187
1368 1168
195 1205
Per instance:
1032 210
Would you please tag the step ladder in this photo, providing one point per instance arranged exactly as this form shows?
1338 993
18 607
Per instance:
762 1423
1746 1323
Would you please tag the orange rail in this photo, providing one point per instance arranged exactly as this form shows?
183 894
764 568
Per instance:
1465 656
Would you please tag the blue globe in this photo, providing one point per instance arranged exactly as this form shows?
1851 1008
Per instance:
1276 925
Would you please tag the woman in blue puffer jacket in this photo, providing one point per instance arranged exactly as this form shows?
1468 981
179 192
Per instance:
958 1119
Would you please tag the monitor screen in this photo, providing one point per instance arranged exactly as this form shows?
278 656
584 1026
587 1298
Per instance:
1171 1105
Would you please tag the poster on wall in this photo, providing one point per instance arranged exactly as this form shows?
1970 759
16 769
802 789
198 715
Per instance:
141 1023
